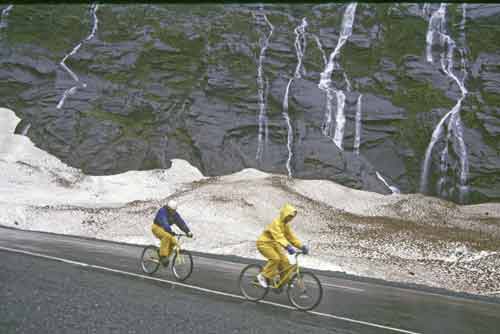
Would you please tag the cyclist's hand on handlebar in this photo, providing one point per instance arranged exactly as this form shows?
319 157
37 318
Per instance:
305 250
290 250
189 234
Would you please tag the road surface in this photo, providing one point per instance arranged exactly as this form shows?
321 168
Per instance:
53 283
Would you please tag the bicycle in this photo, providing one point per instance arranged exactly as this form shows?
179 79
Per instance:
181 259
305 283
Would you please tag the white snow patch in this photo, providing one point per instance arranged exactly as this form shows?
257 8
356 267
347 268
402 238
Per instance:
31 176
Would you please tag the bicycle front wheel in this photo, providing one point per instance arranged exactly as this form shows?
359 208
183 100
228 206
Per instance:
182 265
305 291
150 260
249 285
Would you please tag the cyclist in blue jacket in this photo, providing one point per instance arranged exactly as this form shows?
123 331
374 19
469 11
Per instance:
167 216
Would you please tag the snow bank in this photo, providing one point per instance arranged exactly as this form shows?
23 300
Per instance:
30 176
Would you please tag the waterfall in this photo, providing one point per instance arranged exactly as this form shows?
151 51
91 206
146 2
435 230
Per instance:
290 130
436 24
3 17
72 90
464 17
320 47
340 119
357 135
454 127
262 120
426 9
300 50
394 190
347 83
325 83
93 8
463 41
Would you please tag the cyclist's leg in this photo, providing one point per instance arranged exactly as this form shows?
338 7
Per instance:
172 243
285 267
165 240
272 253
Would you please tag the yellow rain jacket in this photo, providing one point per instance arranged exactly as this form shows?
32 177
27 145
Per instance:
279 231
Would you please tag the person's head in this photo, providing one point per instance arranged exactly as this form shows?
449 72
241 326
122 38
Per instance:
172 205
287 213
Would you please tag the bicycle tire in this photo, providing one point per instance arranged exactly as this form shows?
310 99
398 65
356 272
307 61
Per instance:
176 265
150 251
251 272
296 282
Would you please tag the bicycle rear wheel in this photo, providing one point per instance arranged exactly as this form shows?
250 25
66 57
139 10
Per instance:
150 260
305 291
182 265
249 285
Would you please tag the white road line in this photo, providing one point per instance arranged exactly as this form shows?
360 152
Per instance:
366 323
193 287
342 287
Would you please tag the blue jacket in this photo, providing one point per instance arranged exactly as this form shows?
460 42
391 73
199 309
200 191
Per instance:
166 218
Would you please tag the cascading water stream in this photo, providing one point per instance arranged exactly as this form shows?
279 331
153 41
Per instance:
320 47
394 190
72 90
437 25
347 83
357 127
262 120
325 83
426 9
4 15
300 50
289 129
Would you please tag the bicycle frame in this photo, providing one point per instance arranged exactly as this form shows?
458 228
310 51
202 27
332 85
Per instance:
177 248
293 269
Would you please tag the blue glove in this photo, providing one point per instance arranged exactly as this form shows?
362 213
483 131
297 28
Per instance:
290 250
305 250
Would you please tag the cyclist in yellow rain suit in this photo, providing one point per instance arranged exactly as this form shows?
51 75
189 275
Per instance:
276 237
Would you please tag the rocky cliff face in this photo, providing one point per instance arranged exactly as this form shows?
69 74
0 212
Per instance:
111 88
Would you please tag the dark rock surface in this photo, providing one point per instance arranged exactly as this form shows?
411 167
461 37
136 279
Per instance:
180 81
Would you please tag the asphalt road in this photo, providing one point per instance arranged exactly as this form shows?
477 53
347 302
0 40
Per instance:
51 283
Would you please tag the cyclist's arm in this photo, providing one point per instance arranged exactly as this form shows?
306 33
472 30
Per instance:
277 232
181 224
292 237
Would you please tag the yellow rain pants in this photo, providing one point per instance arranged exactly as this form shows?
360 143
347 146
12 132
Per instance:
168 242
277 259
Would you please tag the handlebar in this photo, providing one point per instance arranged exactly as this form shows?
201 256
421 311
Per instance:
180 235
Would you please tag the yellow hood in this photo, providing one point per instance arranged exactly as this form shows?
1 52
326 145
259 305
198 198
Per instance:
280 232
287 210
